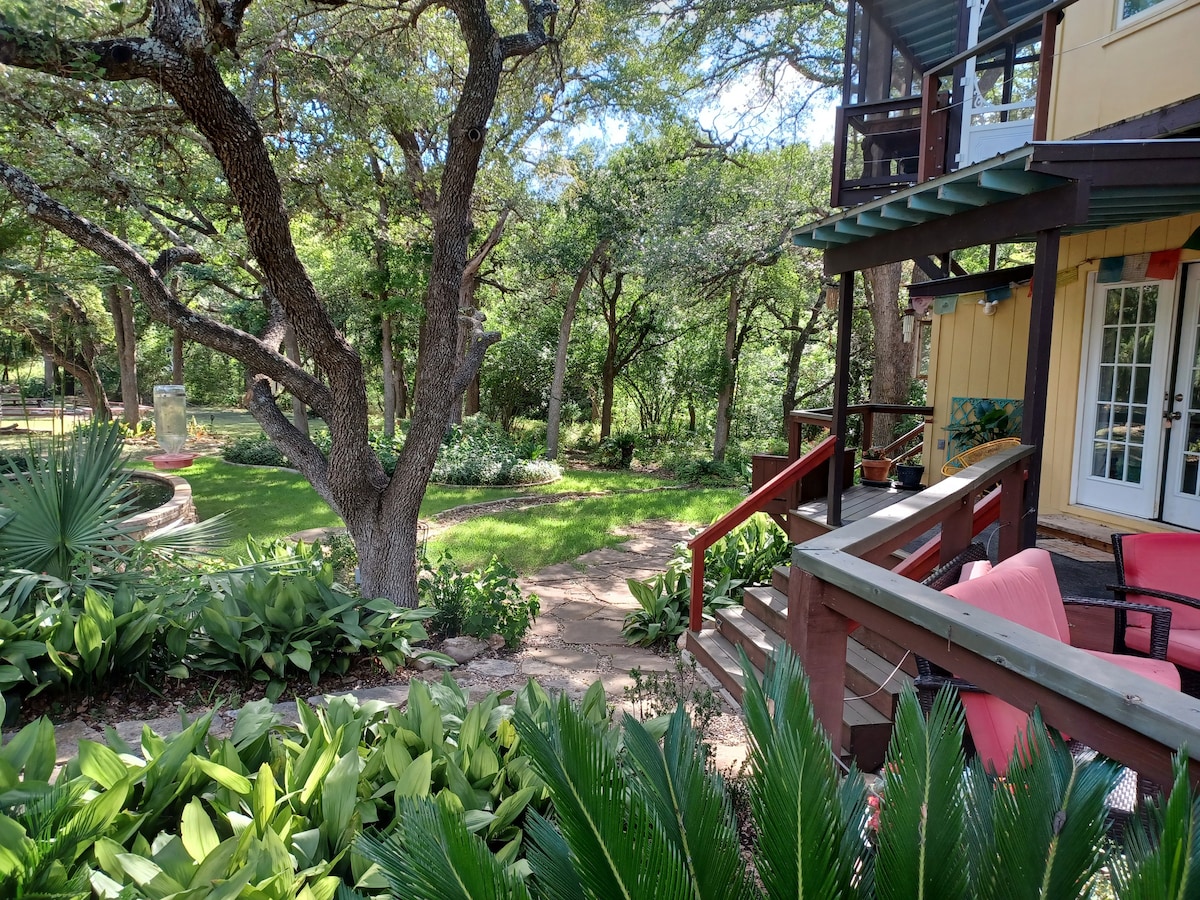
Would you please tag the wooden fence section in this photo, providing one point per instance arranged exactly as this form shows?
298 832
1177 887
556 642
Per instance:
837 581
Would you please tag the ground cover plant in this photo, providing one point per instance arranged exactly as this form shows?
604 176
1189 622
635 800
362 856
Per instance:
270 811
745 556
480 603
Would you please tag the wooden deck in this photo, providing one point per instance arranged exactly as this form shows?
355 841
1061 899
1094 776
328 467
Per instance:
809 518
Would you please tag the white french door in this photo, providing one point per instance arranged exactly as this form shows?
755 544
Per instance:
1139 442
1121 440
1181 489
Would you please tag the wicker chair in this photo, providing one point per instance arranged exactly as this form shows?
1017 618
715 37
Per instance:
978 452
1160 568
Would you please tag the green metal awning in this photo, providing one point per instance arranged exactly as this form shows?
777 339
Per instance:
1077 186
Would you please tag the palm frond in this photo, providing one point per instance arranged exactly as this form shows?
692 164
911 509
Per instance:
692 805
617 843
921 823
1038 831
554 876
432 856
1162 855
793 789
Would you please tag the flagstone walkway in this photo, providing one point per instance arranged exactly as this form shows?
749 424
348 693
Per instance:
575 641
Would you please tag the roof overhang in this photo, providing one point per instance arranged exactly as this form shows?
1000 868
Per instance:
1077 186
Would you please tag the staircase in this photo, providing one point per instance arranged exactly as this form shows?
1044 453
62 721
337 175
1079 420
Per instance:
873 682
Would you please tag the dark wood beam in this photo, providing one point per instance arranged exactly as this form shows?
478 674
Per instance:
1157 123
1037 376
1041 106
966 284
1003 221
841 396
931 269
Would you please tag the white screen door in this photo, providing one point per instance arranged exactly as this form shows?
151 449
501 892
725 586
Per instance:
1121 439
1181 496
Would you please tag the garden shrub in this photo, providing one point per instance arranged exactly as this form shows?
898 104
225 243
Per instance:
480 452
704 470
253 451
274 624
273 810
743 557
479 603
616 451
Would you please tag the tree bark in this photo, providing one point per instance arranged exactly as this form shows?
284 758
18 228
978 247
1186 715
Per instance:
389 376
178 57
554 412
728 373
299 410
892 373
120 307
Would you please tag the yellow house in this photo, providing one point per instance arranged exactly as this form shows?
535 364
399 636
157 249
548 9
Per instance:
1074 127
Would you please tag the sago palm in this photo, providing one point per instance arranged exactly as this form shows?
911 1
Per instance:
636 819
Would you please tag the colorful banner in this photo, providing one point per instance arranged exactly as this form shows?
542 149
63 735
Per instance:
1111 268
1164 264
1134 267
944 305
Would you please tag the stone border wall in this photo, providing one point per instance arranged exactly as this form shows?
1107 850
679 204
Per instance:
179 508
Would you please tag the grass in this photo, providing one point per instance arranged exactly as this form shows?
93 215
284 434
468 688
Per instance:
546 535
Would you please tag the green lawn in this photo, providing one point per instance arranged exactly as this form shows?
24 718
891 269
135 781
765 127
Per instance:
556 533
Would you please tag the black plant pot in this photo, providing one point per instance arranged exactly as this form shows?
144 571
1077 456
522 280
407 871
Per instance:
909 477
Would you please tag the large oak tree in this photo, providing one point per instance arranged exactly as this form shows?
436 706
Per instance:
188 50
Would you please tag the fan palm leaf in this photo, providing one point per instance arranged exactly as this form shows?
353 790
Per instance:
1048 818
619 847
1162 858
921 823
432 856
800 815
692 805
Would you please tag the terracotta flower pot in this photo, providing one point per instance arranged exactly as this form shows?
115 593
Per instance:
876 469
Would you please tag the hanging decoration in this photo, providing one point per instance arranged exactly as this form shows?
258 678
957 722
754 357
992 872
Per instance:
1134 267
945 305
921 305
1111 268
1164 264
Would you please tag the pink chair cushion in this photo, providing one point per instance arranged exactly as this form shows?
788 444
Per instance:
1015 592
1157 670
1183 648
976 569
1166 562
1040 560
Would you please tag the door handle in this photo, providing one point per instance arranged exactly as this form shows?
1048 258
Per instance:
1173 416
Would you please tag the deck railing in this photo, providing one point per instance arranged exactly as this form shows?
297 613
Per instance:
755 502
838 579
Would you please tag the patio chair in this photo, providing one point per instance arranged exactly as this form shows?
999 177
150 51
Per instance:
1160 568
979 452
1025 590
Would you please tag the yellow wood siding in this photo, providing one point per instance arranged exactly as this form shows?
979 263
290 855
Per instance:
1104 73
984 356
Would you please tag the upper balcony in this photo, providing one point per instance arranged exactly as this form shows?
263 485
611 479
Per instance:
931 86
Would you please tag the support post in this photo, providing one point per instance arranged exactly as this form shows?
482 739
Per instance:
841 397
1041 105
1037 376
818 635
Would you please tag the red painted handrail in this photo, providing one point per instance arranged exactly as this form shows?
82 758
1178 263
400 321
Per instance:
740 513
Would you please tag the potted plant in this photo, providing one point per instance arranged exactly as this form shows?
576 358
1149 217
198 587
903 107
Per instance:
875 466
909 472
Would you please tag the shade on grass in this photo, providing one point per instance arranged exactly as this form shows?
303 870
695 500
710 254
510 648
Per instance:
545 535
274 503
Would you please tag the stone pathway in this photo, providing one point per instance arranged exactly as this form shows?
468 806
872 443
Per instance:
575 641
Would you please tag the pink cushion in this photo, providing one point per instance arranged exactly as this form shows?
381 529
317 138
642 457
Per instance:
1183 649
995 726
976 569
1040 560
1014 592
1166 562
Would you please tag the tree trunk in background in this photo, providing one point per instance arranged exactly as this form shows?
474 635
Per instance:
401 389
554 412
49 373
892 375
299 411
389 377
177 357
796 351
120 306
728 374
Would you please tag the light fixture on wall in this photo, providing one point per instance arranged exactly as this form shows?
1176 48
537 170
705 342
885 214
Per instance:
908 321
833 292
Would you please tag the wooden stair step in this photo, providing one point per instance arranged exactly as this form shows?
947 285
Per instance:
865 730
877 681
779 578
743 629
767 605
